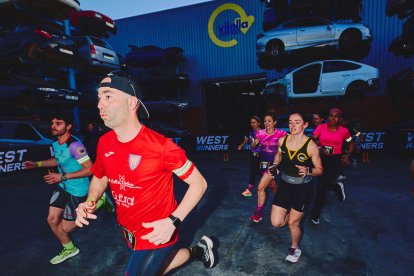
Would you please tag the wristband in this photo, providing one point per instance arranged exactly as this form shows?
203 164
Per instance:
64 177
175 221
309 172
39 164
272 170
91 200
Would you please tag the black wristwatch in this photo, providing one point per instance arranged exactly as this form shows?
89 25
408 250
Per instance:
64 177
176 221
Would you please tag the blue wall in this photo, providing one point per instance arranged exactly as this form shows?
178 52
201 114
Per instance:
187 28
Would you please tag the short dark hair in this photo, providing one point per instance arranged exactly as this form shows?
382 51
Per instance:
67 117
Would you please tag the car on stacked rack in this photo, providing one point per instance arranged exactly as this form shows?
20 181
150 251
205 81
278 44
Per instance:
153 56
156 78
96 52
21 141
401 84
401 8
25 42
58 9
310 32
92 23
404 44
326 78
29 90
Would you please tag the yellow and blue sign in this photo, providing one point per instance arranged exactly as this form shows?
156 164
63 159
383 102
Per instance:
225 34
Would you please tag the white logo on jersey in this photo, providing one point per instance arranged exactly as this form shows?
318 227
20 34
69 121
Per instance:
123 183
125 201
133 161
109 153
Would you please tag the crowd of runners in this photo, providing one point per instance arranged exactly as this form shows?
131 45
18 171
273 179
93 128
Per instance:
137 165
302 169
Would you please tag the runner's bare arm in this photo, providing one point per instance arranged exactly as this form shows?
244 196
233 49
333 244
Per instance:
313 151
41 163
52 177
85 209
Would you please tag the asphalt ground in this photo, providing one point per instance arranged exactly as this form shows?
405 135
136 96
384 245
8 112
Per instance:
371 233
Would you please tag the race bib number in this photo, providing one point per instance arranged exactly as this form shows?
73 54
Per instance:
264 165
129 238
328 150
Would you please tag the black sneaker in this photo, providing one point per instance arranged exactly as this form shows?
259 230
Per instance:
341 192
208 256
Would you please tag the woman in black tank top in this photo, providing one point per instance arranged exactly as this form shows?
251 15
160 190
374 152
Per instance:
298 161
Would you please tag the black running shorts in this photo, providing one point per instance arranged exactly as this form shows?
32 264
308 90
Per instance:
296 196
64 200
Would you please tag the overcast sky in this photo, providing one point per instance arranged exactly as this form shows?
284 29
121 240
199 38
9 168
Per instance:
117 9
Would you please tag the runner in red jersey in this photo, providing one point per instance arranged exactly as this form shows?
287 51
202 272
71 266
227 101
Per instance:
138 164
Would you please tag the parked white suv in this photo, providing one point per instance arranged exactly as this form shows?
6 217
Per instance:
326 78
310 32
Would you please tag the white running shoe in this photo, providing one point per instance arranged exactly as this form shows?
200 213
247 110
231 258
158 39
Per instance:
294 254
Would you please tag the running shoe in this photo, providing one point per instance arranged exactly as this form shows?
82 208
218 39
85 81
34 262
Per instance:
354 162
208 255
341 191
341 177
247 193
316 221
294 254
257 217
64 255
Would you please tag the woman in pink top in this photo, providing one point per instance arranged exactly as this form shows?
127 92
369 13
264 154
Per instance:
331 136
267 139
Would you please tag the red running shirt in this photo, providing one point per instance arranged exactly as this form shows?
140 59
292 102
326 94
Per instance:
140 175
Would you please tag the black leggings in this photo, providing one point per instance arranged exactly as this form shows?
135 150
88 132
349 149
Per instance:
254 171
326 182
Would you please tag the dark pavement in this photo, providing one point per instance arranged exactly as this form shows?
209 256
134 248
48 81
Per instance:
371 233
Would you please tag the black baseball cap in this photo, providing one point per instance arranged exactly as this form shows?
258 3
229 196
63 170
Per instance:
123 82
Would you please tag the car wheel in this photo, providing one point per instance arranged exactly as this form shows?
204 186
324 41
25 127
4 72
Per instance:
356 90
274 48
33 51
350 40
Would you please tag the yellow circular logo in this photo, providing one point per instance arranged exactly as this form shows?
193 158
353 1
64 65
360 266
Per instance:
302 157
81 150
240 25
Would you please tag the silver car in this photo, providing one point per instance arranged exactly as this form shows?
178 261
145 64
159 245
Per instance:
97 52
310 32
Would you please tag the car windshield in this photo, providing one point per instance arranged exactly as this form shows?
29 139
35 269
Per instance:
100 43
18 130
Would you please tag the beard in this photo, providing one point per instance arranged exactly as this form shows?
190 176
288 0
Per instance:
58 133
